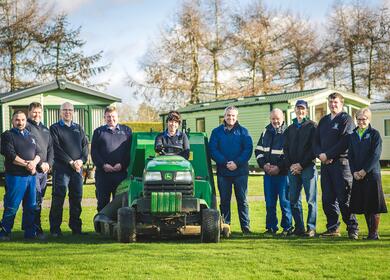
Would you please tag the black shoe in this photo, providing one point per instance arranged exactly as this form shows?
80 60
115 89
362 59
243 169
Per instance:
56 234
269 232
298 232
79 233
287 232
246 230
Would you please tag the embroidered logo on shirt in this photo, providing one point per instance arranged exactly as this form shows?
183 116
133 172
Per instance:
33 141
367 136
335 126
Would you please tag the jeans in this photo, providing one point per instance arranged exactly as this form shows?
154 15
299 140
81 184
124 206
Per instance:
106 184
65 178
275 186
40 193
307 178
19 188
240 190
336 183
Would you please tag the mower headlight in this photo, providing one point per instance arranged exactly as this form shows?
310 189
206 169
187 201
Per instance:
152 176
184 177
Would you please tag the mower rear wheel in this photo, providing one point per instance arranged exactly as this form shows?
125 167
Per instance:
210 229
126 230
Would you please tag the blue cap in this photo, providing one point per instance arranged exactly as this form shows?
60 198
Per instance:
301 103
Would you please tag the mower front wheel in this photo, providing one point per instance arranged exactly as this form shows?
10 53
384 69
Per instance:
126 230
210 228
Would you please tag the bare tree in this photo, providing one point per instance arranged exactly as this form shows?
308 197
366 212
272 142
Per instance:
301 52
173 64
258 41
21 26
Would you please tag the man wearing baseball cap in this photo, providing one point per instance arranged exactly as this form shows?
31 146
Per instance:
300 162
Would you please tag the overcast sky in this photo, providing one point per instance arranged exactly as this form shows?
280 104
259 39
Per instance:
122 29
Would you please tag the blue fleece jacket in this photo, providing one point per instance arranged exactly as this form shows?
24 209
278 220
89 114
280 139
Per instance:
231 145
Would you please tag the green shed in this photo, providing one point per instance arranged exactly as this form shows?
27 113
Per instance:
254 111
89 104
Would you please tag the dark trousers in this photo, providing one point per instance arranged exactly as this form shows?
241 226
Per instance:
106 184
336 183
240 190
18 189
64 179
41 182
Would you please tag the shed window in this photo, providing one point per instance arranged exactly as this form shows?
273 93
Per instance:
200 125
387 127
221 119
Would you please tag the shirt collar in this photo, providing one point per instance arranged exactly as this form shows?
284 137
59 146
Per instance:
23 132
62 123
115 128
33 122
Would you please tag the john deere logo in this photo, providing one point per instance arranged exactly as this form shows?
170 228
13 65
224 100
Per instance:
168 176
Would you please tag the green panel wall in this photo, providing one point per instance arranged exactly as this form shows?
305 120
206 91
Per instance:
254 118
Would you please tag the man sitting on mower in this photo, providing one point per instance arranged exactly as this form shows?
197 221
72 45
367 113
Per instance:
172 141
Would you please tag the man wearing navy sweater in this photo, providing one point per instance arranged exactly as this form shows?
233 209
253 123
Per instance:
70 153
22 155
330 147
110 151
44 141
231 148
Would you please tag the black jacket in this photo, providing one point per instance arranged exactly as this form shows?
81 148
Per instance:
331 136
365 153
298 144
270 148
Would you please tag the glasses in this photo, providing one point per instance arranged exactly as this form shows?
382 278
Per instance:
67 110
362 119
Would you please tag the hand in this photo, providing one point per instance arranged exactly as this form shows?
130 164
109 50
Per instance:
45 167
266 167
108 168
322 157
362 173
117 167
274 170
357 176
30 166
328 161
231 165
296 169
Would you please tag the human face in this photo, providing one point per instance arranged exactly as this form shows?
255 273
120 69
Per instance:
35 114
19 121
67 112
231 117
111 118
300 112
335 105
172 126
276 119
363 121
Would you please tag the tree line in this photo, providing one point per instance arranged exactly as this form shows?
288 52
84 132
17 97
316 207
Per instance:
37 45
208 51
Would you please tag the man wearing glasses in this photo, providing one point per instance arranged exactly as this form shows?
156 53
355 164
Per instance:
70 153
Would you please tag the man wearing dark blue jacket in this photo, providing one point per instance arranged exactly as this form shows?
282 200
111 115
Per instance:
110 151
231 148
330 146
269 156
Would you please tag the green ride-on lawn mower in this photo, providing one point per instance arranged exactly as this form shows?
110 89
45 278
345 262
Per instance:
164 195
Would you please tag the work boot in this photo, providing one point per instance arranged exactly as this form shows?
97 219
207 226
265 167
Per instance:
373 224
331 233
310 233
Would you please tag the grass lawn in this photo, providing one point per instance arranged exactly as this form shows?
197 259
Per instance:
239 257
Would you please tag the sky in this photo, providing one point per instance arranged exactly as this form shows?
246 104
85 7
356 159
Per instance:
123 29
